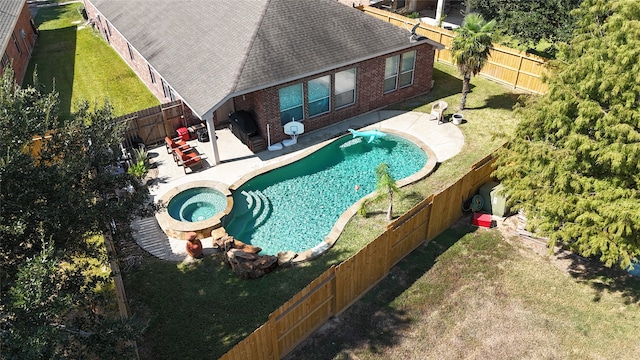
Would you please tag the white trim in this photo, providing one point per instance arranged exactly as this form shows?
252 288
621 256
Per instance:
413 69
355 85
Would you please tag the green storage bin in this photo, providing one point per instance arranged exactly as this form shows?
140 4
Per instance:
494 202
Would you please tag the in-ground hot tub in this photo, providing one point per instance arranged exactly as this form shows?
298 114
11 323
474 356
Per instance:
196 207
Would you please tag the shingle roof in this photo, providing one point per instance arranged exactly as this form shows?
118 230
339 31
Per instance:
9 13
209 50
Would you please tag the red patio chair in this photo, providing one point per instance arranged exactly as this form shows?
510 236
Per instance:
174 143
190 159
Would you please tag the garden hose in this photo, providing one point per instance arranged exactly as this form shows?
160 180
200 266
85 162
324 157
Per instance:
474 204
477 203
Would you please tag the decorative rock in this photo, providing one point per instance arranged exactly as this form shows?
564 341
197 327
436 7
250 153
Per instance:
285 257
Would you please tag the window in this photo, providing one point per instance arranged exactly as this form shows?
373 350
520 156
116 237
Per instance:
391 73
291 103
406 68
15 41
165 88
152 74
319 91
172 95
345 88
108 28
5 61
130 51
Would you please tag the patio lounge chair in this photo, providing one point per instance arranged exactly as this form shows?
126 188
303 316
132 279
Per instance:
190 159
173 143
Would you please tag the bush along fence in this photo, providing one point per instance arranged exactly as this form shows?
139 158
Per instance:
340 286
508 66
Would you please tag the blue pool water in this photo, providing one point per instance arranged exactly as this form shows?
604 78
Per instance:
294 207
197 204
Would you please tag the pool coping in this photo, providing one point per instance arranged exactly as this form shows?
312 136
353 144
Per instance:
342 221
178 229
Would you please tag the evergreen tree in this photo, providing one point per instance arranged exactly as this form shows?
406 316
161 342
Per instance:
574 164
470 49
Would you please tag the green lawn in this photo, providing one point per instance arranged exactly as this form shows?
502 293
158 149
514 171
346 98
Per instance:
204 309
469 294
82 66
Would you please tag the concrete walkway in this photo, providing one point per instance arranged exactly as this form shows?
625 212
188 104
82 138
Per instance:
446 140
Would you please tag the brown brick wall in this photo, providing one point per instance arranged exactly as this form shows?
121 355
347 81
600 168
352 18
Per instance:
21 58
265 104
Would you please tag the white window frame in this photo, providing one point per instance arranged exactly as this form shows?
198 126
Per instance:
15 41
411 70
393 75
165 88
292 107
327 79
131 52
152 74
353 89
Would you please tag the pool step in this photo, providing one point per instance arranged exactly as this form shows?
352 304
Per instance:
259 208
267 208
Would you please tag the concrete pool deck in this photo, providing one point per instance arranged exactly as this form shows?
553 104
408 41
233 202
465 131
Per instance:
237 161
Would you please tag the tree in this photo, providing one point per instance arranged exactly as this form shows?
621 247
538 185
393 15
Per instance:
470 49
53 313
53 195
573 164
530 21
386 186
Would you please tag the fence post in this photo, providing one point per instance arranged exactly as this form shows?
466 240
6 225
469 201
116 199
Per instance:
515 82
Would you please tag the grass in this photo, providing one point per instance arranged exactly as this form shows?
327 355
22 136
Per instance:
470 294
80 65
205 304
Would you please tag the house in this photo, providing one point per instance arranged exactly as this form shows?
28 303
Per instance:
18 36
315 61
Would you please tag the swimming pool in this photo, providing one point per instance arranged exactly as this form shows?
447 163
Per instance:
295 207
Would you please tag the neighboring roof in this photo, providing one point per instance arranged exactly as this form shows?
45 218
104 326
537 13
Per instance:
208 50
9 14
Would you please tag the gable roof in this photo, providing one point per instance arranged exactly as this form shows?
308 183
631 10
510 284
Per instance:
211 50
9 14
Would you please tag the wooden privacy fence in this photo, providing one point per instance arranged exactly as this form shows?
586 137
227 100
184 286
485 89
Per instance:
150 126
340 286
123 304
508 66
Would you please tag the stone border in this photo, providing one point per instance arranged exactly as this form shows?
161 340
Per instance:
342 221
178 229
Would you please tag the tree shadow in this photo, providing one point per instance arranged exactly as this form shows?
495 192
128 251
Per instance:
444 85
505 101
373 321
54 59
603 279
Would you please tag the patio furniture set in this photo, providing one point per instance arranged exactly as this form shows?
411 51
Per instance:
184 154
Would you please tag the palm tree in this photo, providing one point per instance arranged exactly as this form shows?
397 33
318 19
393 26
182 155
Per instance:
470 49
386 186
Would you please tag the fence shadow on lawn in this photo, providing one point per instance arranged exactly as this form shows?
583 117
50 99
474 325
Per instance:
374 312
